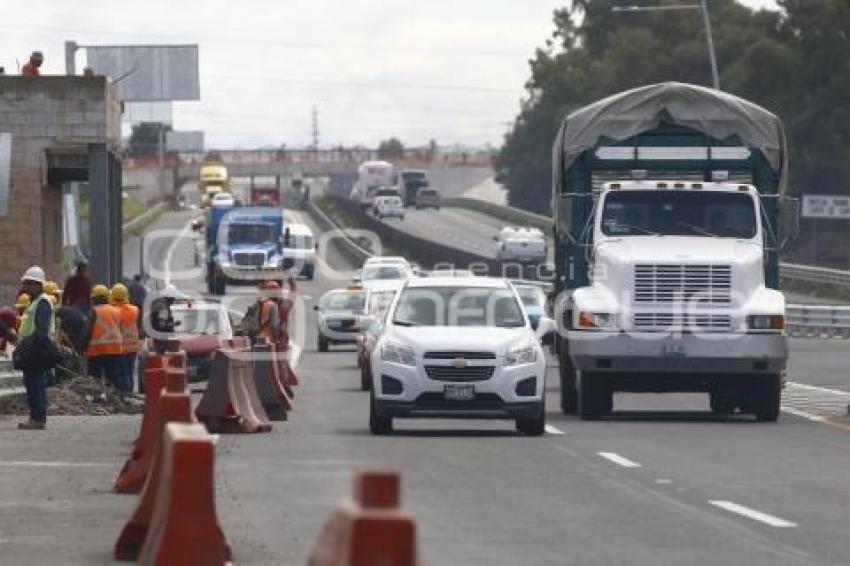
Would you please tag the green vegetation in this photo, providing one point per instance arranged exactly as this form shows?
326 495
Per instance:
795 63
131 209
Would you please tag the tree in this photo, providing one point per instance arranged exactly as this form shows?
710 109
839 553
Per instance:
144 138
796 64
391 149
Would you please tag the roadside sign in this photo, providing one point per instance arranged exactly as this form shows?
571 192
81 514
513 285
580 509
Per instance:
826 206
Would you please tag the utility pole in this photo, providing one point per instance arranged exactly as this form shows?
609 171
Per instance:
709 37
315 116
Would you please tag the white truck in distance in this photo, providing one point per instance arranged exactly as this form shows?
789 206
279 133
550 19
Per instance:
371 176
527 245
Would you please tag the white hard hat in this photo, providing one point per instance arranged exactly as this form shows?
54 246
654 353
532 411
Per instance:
171 292
34 273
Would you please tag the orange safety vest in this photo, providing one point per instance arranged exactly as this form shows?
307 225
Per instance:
129 328
269 323
106 332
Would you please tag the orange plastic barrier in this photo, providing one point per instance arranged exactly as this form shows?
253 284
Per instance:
370 528
270 389
175 521
175 380
173 407
175 359
154 378
231 402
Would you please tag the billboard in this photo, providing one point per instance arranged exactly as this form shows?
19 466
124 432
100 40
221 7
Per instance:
138 112
826 206
5 170
149 72
185 142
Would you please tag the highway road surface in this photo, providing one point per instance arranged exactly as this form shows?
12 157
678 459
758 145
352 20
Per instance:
662 481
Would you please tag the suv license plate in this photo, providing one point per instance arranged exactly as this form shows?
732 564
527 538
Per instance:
459 392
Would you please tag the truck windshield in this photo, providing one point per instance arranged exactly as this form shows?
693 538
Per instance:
679 213
250 234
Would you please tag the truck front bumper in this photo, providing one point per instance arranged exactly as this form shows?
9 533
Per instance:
678 353
241 273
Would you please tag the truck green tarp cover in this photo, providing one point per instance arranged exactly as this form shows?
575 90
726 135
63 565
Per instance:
712 112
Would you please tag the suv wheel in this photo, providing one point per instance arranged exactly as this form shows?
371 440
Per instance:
378 424
534 426
569 394
323 343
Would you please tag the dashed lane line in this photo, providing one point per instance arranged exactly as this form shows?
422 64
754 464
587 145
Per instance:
619 460
550 429
753 514
53 464
817 404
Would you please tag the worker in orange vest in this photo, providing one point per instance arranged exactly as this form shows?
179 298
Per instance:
104 351
269 314
120 299
285 304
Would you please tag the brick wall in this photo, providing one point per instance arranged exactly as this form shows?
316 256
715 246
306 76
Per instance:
41 114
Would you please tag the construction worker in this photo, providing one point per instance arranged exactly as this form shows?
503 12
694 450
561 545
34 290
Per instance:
31 68
269 312
54 293
8 328
37 320
285 304
120 298
161 319
78 288
21 304
104 348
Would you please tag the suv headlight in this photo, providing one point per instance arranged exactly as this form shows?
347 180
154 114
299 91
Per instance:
766 322
526 354
398 354
598 320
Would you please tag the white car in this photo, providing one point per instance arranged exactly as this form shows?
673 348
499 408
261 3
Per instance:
389 207
458 347
339 315
299 250
223 199
521 244
387 259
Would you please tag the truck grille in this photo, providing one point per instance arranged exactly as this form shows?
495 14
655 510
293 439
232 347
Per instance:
703 284
468 373
450 355
662 321
250 259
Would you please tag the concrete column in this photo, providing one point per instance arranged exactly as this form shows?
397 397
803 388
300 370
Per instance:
101 205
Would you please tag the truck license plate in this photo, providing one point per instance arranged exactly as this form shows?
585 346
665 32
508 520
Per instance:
673 351
459 392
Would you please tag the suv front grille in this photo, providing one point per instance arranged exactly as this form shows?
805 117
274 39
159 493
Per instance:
450 355
468 373
703 284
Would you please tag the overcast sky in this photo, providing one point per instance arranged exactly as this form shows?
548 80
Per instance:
451 70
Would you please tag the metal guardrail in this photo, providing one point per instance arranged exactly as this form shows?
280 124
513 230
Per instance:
812 274
818 321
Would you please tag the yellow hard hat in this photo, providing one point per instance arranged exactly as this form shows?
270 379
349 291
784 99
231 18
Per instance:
54 300
99 291
119 293
23 301
51 288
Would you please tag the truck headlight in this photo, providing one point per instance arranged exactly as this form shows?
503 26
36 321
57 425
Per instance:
526 354
766 322
274 261
398 354
598 320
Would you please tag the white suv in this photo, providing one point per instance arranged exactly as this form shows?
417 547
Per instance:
458 347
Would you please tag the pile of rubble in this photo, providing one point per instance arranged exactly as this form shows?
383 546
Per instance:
79 395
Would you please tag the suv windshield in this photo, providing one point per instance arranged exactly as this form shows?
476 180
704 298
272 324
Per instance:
458 306
531 296
679 213
345 301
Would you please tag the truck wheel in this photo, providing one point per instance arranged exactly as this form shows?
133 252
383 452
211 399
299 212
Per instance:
534 426
323 344
723 401
767 397
378 424
594 395
569 395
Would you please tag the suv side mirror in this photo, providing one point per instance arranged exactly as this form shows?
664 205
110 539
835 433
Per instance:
546 330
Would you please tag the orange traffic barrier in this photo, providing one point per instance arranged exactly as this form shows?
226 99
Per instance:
175 521
175 359
282 353
154 381
231 402
370 528
270 389
173 407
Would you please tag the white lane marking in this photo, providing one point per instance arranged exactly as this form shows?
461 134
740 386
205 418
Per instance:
818 388
552 429
170 252
36 464
771 520
801 414
619 460
664 481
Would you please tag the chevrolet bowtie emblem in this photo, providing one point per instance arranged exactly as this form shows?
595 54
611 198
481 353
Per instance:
459 363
